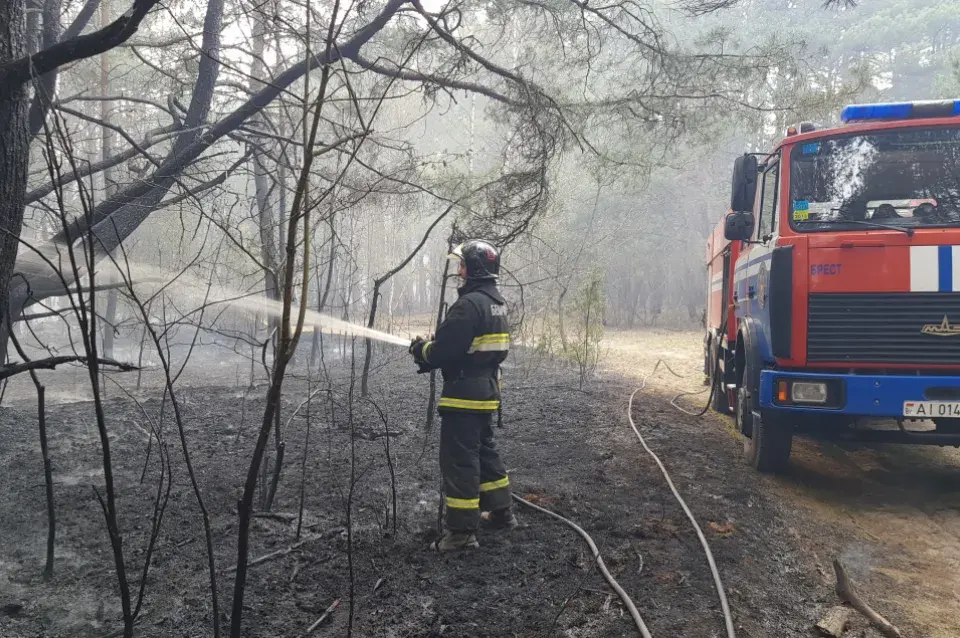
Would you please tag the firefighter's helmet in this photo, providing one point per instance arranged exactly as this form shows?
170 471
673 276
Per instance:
481 259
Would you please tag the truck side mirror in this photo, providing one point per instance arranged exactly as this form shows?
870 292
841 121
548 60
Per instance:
738 225
744 187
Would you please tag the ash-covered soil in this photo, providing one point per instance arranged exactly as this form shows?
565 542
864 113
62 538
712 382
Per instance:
571 450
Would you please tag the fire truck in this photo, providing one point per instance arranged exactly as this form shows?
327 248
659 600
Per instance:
834 284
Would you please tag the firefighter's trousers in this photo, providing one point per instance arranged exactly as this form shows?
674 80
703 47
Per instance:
474 477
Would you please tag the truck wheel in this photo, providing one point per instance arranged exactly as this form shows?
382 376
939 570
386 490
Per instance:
768 442
768 450
720 401
947 426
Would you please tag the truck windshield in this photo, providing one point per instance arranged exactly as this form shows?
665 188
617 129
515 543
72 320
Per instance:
909 178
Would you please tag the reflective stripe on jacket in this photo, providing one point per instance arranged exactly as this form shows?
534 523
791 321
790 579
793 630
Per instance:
469 347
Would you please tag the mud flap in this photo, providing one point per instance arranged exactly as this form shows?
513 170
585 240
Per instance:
749 329
750 382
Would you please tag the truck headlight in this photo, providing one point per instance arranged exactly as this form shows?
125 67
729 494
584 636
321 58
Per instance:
807 392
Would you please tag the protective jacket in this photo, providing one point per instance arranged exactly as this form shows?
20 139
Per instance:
469 347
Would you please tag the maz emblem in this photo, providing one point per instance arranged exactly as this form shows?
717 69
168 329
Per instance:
943 329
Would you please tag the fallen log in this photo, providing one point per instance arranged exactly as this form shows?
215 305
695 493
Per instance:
834 622
287 550
326 613
283 517
847 594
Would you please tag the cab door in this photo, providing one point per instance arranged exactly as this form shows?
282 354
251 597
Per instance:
753 274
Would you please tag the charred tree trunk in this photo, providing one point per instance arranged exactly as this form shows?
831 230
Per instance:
432 400
561 327
14 155
287 344
323 295
47 465
368 343
269 247
48 480
109 183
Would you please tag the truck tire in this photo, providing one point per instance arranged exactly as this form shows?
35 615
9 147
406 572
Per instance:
721 400
743 414
947 426
768 450
768 442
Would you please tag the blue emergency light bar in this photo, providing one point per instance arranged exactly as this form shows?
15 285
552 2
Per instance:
900 110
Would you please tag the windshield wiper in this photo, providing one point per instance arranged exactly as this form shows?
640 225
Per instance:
908 231
943 224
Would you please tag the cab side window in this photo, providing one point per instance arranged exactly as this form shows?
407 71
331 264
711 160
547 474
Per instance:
769 191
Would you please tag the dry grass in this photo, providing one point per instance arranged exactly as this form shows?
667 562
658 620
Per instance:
634 353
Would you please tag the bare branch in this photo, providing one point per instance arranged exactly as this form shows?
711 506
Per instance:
205 186
429 79
91 169
46 84
326 148
50 363
15 73
133 204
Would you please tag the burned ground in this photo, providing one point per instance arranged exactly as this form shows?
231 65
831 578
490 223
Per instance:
570 450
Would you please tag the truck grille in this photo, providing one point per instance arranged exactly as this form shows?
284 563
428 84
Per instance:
883 328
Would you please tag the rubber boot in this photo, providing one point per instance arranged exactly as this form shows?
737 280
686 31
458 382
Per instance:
499 519
453 541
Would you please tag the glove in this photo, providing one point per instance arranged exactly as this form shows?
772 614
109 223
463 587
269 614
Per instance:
416 349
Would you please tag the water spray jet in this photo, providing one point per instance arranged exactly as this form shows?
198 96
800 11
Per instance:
204 293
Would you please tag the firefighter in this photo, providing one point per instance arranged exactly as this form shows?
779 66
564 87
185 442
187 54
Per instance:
469 347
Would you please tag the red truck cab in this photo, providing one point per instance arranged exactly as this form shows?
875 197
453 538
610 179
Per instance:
834 283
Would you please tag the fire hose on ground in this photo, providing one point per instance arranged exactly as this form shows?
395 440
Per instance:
727 618
638 621
715 386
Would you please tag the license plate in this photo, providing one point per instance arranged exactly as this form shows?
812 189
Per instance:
931 409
